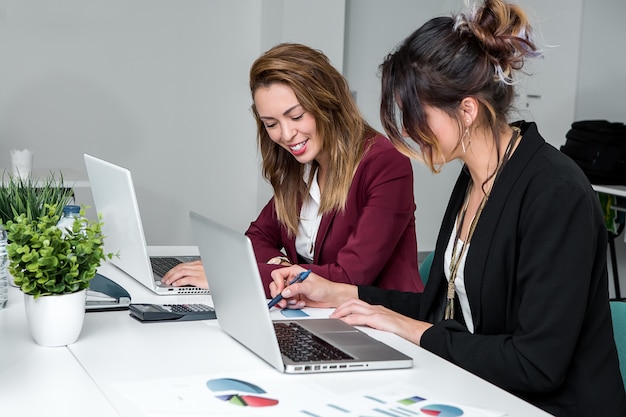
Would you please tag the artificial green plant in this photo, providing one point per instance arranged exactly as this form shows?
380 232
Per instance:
45 260
29 196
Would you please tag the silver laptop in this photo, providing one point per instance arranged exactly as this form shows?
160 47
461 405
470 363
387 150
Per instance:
114 197
242 312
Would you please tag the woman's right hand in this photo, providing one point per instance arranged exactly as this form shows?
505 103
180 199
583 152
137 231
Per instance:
314 291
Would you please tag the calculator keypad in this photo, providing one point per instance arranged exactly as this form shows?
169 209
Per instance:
187 308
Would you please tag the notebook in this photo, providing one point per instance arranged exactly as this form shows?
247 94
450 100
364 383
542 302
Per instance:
114 198
242 312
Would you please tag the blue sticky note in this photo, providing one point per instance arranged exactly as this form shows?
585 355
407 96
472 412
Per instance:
293 313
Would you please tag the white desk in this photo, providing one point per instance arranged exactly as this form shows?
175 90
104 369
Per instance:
115 349
39 381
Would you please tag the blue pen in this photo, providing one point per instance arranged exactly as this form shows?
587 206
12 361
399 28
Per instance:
299 278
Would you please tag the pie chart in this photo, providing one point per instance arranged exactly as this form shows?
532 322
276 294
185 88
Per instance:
441 410
248 400
230 384
244 393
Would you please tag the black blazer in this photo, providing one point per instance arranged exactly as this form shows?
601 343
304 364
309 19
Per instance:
536 280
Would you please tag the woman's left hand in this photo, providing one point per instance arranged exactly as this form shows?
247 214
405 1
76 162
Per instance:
360 313
186 273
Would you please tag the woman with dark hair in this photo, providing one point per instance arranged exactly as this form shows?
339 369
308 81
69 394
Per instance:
343 201
518 291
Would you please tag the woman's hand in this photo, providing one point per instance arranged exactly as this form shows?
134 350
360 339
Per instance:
187 273
314 291
360 313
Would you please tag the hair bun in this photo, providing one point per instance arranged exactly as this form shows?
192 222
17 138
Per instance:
504 33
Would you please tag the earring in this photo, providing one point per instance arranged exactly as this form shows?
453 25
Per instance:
466 133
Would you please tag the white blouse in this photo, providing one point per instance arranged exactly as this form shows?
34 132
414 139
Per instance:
459 281
310 220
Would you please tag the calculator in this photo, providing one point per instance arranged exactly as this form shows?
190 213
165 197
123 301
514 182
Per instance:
171 312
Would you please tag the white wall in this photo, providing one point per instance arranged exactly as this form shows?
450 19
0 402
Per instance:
602 67
548 94
157 86
154 85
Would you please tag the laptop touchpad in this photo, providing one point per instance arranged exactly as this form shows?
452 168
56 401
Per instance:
337 332
348 339
326 326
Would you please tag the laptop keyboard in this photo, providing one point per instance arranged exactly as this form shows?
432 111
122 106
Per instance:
161 265
300 345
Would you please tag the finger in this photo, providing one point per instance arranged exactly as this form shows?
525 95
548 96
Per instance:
175 275
278 281
281 276
273 289
181 270
296 304
354 320
290 291
349 307
171 276
178 282
170 273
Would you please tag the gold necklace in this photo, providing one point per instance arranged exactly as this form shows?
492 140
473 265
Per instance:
455 261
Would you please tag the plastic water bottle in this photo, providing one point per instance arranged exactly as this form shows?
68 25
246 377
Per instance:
70 213
4 263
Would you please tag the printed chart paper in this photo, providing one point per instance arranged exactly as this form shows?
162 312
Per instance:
263 395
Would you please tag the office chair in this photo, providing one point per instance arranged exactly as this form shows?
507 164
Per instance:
618 314
425 267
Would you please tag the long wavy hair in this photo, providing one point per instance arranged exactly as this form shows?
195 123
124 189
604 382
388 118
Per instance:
321 90
473 54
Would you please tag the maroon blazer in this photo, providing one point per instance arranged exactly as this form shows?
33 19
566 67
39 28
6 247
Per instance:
372 242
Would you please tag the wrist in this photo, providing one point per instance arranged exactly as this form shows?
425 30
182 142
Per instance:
279 260
342 292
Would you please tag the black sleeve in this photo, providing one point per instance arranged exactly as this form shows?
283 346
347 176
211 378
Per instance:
406 303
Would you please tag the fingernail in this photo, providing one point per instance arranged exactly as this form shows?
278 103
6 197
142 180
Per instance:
287 293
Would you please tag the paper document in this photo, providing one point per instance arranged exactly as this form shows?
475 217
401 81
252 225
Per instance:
267 394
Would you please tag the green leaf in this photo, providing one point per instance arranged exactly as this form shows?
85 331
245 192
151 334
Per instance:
30 196
44 261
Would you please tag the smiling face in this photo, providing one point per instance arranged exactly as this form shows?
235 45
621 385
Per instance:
287 123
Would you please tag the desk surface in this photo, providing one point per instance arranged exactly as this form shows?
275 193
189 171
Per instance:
36 380
116 354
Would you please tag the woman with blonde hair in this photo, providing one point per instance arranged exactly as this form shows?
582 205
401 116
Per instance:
343 201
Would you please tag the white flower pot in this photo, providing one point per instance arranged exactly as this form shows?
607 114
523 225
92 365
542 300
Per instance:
55 320
11 280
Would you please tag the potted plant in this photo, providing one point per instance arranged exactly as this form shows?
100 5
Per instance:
29 196
53 268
